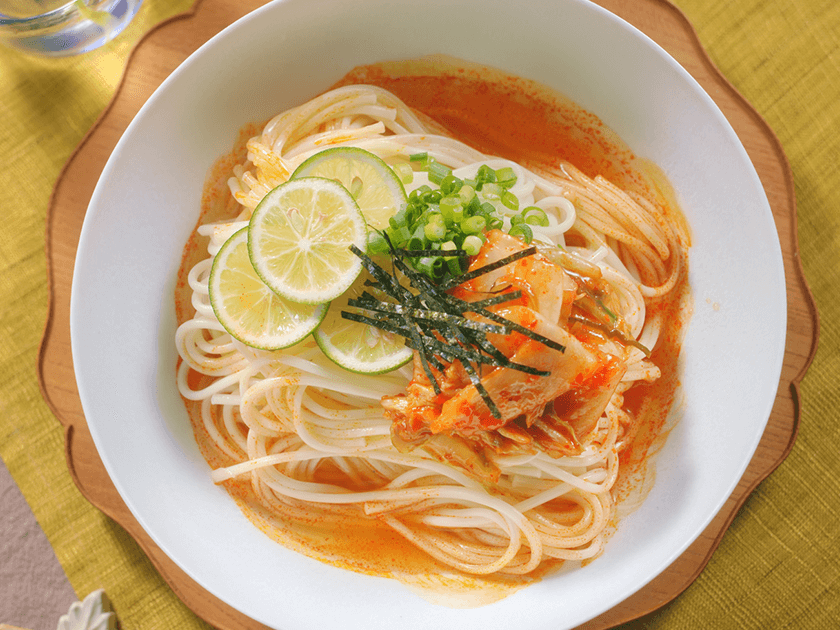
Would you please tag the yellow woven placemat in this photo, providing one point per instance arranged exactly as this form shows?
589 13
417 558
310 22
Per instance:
46 107
778 565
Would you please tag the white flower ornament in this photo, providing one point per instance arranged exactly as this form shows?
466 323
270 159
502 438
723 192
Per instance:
94 613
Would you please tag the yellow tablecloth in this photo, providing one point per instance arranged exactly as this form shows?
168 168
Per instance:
779 563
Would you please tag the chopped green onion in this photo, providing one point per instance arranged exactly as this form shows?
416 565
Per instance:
524 230
450 184
400 236
467 194
418 238
449 207
432 267
451 210
474 205
453 264
474 225
435 230
535 216
492 190
417 193
484 175
472 244
431 196
510 201
457 215
376 243
438 172
506 177
399 220
488 208
404 172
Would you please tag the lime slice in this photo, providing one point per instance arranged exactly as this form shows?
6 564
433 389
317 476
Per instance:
374 186
299 239
248 309
355 346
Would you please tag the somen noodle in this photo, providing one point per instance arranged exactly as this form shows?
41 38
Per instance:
316 442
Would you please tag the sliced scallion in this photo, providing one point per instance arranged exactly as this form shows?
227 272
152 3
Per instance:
438 172
404 172
505 176
472 244
535 216
524 231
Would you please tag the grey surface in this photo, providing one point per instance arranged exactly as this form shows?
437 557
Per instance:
34 591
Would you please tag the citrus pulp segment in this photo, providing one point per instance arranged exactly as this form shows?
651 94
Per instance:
248 309
373 184
299 239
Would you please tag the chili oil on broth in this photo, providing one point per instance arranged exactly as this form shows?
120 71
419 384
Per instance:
477 105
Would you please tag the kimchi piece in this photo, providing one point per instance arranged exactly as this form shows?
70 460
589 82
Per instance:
557 413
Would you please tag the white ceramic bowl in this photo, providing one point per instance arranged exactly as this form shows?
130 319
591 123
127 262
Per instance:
146 203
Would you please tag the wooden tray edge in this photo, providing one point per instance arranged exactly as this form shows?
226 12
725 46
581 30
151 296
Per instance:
46 335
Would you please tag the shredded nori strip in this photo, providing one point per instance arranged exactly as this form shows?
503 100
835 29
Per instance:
433 322
385 325
421 253
435 316
445 302
461 352
424 360
521 329
475 273
475 307
475 379
500 299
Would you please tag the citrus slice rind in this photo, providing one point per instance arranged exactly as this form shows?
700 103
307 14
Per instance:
248 309
373 184
299 239
358 347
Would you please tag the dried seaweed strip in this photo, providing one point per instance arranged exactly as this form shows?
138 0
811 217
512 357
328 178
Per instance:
521 329
434 316
421 253
424 360
475 273
499 299
485 395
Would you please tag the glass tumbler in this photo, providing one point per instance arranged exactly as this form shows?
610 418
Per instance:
57 28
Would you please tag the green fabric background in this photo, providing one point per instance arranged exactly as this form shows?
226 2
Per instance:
779 563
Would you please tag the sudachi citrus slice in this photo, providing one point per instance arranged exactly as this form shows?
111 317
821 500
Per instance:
248 309
356 346
373 184
299 239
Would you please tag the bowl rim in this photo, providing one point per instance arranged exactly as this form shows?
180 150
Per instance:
175 77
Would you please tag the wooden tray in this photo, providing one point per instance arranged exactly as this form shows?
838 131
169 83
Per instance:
165 47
